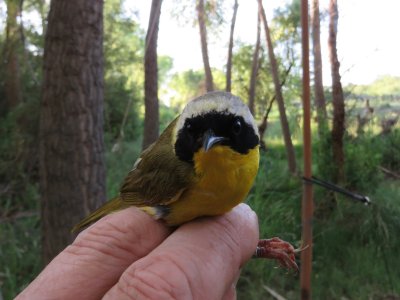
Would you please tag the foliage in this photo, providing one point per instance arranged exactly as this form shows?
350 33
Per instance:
185 13
323 161
19 155
362 161
19 253
189 84
165 64
241 72
186 85
390 150
19 220
354 249
384 85
287 46
285 29
119 163
123 52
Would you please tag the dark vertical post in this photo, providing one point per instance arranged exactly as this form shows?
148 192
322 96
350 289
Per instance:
307 203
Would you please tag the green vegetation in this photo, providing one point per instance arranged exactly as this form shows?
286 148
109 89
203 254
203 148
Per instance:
355 250
355 245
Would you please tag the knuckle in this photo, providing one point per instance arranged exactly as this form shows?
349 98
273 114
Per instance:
229 238
104 242
159 280
119 241
239 234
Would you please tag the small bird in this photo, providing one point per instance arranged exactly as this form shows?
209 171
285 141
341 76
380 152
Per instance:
203 164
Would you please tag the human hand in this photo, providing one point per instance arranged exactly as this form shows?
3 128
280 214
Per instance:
128 255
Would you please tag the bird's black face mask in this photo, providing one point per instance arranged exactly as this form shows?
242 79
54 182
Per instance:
211 129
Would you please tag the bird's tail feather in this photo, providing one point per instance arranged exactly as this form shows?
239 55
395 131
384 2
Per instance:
113 205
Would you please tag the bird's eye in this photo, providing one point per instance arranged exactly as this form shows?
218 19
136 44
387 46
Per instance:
237 126
189 127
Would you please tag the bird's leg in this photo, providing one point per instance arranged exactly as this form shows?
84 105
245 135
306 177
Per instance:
280 250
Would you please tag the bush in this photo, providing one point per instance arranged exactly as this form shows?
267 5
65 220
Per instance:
118 101
19 254
354 248
363 156
390 147
19 154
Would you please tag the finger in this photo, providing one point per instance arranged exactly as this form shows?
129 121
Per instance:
230 293
98 256
198 261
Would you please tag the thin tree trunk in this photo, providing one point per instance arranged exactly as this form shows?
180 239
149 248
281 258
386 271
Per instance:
255 66
230 49
12 46
151 115
318 83
279 97
263 125
117 145
338 127
72 169
204 48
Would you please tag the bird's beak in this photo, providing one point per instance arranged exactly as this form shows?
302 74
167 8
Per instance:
210 140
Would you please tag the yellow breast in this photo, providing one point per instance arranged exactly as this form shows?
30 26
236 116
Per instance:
224 178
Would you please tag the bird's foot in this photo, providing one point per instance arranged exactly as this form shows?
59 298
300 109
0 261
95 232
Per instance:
282 251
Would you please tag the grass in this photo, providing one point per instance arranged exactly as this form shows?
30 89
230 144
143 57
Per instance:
19 241
19 254
355 247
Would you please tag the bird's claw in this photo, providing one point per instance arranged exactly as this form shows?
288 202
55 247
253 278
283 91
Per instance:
282 251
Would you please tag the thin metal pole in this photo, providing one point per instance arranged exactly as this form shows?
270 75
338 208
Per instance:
307 202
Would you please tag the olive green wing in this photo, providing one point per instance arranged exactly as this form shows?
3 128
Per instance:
158 176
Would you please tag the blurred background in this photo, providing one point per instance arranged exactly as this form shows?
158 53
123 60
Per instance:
85 85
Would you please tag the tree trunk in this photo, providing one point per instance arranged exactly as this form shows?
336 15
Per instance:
279 97
151 115
318 83
264 123
230 48
12 47
72 169
254 67
337 96
204 49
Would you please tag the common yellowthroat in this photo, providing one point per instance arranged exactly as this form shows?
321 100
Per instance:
203 164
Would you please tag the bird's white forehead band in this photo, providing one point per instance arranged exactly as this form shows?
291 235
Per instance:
219 102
